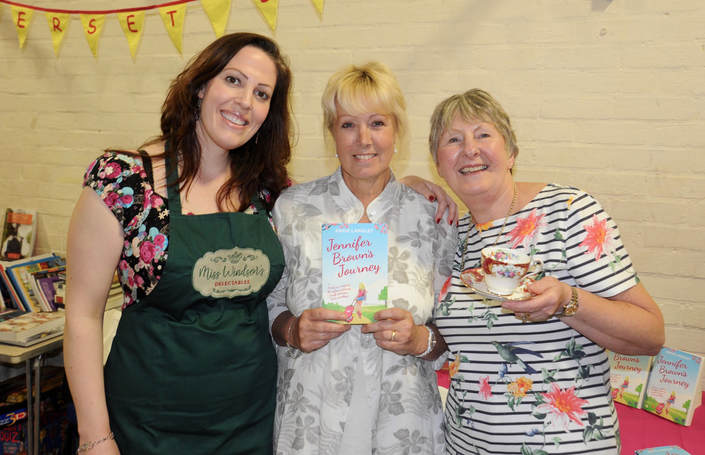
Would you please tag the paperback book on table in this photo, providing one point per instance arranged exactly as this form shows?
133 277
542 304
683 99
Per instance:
674 387
354 269
19 230
663 450
628 377
31 328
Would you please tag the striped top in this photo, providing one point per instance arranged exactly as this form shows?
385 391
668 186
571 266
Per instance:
538 387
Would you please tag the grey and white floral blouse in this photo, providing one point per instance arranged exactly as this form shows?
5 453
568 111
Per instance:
397 408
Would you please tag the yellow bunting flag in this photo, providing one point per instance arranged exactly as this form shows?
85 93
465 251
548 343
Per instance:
173 17
319 6
92 27
268 8
21 17
218 12
132 24
58 23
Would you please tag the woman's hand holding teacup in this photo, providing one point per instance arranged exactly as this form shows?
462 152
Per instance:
549 295
396 331
313 328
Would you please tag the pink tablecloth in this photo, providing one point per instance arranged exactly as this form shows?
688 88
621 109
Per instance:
641 429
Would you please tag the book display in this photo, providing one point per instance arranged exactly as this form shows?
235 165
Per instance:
31 282
674 386
28 293
628 377
354 269
18 234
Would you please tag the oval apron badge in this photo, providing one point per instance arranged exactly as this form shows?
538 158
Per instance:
230 273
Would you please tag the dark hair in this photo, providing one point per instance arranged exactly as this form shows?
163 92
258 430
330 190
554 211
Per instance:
260 163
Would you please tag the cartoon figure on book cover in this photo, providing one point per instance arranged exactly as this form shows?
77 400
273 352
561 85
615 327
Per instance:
669 402
623 387
360 299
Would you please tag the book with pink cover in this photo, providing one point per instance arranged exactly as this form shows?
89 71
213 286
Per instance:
31 328
675 382
354 267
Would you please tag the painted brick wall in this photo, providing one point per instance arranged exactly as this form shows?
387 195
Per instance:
605 95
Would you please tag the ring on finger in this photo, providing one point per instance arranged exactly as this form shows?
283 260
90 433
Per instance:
394 335
525 318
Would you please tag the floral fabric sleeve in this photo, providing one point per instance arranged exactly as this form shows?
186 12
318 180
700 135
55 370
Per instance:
122 183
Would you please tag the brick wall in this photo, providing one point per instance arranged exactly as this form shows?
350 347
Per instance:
605 95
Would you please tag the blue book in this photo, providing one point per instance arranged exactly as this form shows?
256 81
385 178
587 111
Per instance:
664 450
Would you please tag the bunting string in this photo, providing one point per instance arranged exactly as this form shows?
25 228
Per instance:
106 11
173 15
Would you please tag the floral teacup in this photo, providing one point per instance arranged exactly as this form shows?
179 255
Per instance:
504 268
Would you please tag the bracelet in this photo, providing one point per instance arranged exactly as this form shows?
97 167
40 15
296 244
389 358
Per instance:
86 446
431 342
292 352
570 308
289 335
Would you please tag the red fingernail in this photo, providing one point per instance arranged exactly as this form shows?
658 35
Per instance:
432 198
438 220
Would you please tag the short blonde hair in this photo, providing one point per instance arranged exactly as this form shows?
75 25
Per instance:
363 88
475 104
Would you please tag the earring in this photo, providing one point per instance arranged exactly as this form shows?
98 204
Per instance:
257 137
395 149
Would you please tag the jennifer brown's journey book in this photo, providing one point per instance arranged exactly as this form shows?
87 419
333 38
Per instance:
354 269
674 385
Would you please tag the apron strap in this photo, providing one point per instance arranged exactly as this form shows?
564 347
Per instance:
172 189
175 200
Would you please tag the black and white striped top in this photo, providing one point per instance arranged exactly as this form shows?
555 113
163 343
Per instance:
534 388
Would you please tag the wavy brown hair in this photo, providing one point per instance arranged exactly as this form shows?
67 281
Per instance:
260 163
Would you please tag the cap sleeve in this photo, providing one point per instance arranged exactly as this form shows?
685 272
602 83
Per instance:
120 181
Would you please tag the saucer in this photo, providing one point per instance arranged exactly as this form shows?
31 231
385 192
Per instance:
475 280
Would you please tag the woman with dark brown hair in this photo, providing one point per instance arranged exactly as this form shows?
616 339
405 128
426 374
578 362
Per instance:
185 221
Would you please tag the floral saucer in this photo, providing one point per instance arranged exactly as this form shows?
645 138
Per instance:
475 280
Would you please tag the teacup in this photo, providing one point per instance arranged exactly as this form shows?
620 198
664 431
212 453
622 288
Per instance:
504 269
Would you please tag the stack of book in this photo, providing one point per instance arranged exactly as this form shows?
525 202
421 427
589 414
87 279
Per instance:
668 385
32 283
30 311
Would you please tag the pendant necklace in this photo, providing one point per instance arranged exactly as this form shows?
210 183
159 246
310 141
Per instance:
501 230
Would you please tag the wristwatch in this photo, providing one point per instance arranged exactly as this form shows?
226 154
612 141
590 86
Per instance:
570 308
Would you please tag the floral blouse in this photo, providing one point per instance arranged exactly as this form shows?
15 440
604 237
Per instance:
351 396
540 387
125 184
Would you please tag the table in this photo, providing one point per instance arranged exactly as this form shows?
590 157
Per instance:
31 356
640 429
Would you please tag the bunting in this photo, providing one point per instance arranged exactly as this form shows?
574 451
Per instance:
318 4
92 28
21 17
58 23
218 12
132 24
173 17
269 9
132 20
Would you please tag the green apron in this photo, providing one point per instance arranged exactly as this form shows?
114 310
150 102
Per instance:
192 368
